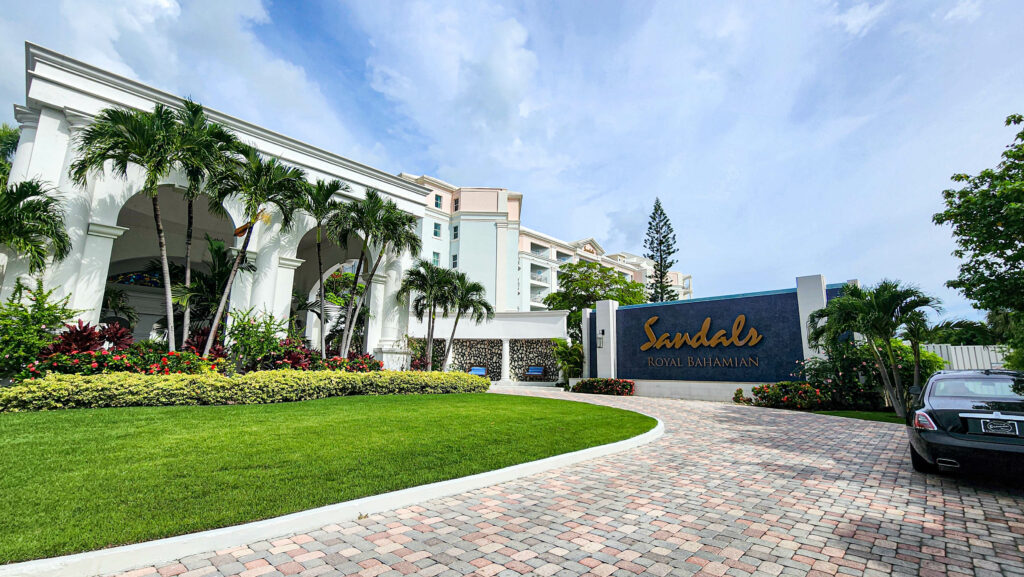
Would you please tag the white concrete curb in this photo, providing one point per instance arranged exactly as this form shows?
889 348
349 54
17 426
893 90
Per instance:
127 557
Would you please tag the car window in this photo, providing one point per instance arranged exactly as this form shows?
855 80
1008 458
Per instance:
979 388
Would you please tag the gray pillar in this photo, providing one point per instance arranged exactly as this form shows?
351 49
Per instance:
810 296
606 361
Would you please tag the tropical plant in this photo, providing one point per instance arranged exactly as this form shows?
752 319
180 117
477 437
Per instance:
260 184
9 136
32 223
431 286
203 148
319 202
582 284
877 313
28 323
116 303
203 293
253 336
383 227
660 244
467 298
568 357
125 138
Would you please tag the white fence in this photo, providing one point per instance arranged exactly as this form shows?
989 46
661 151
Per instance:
960 357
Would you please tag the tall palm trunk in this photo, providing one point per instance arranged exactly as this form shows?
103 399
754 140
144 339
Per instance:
186 320
165 269
430 340
916 348
346 331
350 323
896 379
227 291
320 275
450 345
886 381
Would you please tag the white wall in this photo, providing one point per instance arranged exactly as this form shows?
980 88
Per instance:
509 325
960 357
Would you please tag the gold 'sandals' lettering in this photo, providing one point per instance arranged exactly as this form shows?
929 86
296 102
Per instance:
700 338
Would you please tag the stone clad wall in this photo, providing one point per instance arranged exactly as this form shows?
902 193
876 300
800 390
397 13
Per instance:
478 352
525 353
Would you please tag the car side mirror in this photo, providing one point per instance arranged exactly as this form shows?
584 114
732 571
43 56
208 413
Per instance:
915 391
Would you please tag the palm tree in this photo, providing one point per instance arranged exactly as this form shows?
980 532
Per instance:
32 223
203 293
432 286
876 313
125 138
203 147
381 225
260 184
319 203
467 297
917 331
9 137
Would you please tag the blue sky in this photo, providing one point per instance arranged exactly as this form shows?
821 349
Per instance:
784 139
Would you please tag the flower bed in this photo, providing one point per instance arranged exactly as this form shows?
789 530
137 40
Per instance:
127 389
618 387
796 395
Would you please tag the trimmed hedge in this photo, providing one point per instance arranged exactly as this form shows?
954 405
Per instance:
619 387
796 395
135 390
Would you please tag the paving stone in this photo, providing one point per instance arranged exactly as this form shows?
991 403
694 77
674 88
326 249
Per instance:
728 490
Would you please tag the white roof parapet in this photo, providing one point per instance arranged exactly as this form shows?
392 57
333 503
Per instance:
98 79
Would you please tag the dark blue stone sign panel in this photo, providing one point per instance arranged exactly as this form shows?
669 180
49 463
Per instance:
744 339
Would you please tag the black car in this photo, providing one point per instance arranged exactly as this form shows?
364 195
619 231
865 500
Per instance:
968 420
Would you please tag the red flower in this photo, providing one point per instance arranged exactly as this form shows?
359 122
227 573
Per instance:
94 365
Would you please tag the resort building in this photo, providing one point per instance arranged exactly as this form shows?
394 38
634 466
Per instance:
478 230
113 235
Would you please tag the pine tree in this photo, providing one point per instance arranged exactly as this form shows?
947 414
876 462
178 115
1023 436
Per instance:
660 245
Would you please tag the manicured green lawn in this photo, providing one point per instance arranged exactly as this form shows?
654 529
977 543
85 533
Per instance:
86 479
881 416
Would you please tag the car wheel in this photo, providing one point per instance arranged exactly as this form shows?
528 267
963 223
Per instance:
919 463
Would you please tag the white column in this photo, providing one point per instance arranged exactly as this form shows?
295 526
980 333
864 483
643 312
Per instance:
392 348
77 204
285 281
375 322
506 362
92 278
606 358
810 296
264 279
29 121
586 343
500 266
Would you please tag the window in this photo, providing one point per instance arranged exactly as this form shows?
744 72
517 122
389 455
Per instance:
436 260
455 232
437 230
455 205
455 261
437 201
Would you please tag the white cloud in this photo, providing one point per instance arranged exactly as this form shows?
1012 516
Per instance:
206 50
859 19
964 10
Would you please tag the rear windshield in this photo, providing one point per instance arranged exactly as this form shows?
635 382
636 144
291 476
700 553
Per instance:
989 388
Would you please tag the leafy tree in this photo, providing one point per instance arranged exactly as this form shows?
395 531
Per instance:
32 223
467 298
260 184
878 313
380 224
203 147
29 321
987 216
568 357
661 246
582 284
202 294
124 138
9 137
432 287
319 203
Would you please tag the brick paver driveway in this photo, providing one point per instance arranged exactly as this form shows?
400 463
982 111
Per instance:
728 490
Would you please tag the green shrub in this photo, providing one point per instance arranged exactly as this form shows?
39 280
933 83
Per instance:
619 387
796 395
133 389
568 357
28 323
253 336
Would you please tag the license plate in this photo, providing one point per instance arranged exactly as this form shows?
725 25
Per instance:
998 427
